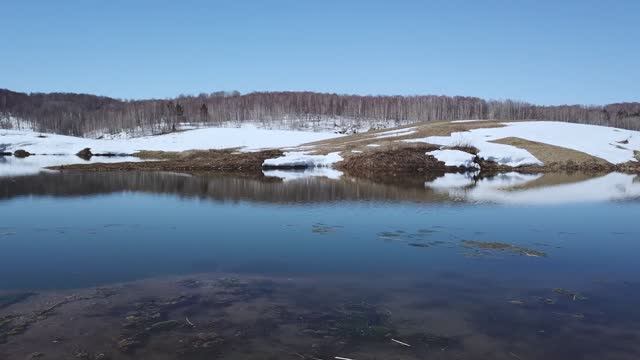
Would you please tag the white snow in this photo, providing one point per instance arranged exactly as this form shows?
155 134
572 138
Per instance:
64 148
599 141
396 133
503 189
248 138
12 166
302 159
500 153
455 158
611 144
466 121
289 175
373 145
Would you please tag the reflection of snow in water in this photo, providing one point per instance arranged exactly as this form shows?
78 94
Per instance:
502 189
12 166
288 175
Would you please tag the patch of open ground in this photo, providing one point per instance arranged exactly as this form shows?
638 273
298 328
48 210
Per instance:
556 157
229 161
393 138
410 158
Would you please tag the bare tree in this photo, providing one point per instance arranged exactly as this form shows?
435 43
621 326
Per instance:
82 114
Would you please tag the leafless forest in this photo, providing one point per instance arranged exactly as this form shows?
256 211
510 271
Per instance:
82 114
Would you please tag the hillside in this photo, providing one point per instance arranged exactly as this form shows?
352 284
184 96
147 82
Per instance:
90 115
456 146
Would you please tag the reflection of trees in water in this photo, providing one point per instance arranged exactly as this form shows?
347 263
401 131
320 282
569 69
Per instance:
219 187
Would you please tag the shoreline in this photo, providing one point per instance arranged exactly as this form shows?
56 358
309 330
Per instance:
487 147
407 161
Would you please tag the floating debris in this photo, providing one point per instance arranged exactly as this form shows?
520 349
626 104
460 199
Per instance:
500 246
577 316
189 322
400 342
418 239
389 235
320 228
573 295
419 245
163 326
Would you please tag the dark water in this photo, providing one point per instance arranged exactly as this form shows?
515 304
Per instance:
514 281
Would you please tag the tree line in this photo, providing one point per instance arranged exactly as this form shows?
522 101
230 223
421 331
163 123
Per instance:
82 114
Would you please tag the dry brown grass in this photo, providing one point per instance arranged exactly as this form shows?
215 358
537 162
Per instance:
229 161
549 153
360 142
407 159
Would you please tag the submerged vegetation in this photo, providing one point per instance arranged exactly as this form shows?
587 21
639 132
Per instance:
483 246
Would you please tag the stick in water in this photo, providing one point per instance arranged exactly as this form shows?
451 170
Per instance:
400 342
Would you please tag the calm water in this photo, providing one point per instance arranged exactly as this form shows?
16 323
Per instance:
491 265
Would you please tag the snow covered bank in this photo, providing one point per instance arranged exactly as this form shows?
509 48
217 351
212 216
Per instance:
611 144
65 147
501 189
500 153
302 160
455 158
12 166
248 138
396 133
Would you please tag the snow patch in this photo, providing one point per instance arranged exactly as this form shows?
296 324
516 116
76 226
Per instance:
12 166
455 158
303 160
466 121
247 138
396 133
500 153
611 144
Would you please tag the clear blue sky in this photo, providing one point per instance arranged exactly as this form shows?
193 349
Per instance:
542 51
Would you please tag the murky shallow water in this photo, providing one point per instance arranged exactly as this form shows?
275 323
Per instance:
148 265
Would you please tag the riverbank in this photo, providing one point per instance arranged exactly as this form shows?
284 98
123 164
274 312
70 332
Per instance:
439 147
399 160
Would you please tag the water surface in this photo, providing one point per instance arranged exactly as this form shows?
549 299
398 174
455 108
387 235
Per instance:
475 268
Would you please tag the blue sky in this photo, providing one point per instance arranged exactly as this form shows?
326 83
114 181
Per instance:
548 52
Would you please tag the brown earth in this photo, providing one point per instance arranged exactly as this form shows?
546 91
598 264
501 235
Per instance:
227 161
556 158
407 159
21 153
361 142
